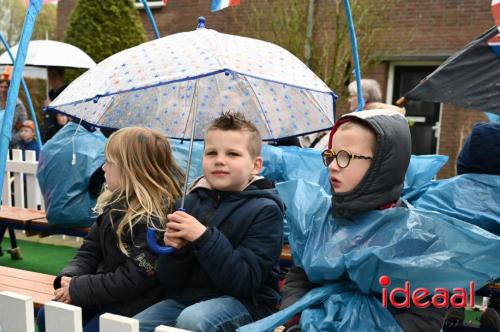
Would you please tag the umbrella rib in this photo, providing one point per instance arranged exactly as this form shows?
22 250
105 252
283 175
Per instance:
191 110
261 108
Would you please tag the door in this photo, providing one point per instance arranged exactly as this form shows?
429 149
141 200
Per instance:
422 116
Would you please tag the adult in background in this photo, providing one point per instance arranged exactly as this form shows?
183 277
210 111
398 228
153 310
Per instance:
53 121
372 94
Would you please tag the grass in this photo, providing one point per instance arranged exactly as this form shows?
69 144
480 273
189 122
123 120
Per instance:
38 257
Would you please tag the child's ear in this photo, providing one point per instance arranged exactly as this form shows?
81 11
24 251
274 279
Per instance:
257 165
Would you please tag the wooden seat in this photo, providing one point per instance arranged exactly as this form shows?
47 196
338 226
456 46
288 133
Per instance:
35 220
42 225
34 284
18 218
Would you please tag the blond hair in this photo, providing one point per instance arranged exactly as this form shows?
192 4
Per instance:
150 180
237 122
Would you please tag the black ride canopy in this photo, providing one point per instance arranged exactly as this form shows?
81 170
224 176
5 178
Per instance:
470 78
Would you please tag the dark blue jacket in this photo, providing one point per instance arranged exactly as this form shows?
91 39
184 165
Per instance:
481 150
31 145
239 253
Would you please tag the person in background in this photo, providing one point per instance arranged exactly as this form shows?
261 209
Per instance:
20 114
52 121
371 93
27 139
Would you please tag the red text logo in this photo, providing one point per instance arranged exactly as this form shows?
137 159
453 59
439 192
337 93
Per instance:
401 297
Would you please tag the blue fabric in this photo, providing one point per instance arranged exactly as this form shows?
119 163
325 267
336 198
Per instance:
481 150
421 171
474 198
65 187
428 249
220 314
492 117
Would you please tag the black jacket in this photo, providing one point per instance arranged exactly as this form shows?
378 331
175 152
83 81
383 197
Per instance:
239 253
481 150
103 276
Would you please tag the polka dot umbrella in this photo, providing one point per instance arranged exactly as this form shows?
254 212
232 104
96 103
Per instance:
190 78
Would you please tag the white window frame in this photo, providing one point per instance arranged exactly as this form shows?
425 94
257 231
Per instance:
152 4
390 88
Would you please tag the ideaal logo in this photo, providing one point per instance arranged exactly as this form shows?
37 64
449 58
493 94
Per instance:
422 298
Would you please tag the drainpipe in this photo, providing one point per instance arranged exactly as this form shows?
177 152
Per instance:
309 32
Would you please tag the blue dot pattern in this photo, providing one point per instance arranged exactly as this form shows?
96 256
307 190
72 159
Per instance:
160 84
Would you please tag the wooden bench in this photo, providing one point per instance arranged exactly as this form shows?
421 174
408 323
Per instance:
34 284
33 222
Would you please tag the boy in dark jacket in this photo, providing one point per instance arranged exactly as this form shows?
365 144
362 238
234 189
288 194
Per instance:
27 138
224 273
367 157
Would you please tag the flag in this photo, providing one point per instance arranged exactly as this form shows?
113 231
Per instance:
221 4
165 2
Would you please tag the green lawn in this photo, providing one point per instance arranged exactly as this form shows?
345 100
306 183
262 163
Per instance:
38 257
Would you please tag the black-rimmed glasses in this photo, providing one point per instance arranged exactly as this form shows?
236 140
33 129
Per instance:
343 158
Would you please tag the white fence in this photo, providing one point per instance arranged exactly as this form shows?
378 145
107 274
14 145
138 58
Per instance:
20 186
17 315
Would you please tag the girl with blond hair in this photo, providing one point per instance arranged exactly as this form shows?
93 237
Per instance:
114 270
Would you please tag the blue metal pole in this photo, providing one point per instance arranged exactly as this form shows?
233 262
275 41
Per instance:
151 18
29 22
26 92
354 46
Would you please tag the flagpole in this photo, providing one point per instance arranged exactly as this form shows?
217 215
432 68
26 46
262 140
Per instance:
6 132
151 18
354 47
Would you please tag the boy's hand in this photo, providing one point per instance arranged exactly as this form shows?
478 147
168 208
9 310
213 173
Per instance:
183 226
176 243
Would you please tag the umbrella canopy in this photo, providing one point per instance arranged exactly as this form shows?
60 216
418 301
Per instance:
163 83
470 78
50 53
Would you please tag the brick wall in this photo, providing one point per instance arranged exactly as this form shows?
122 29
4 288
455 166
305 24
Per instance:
418 28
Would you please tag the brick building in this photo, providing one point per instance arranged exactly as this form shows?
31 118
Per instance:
411 39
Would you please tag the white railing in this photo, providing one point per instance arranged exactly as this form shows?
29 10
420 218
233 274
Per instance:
20 186
17 314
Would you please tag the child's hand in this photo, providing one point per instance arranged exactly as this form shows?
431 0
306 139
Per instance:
62 295
174 242
183 226
65 281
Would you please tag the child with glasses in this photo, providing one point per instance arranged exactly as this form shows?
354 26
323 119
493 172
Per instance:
367 157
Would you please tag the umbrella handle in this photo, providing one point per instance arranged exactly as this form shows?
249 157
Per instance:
155 247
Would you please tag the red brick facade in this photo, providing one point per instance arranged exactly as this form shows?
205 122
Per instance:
410 30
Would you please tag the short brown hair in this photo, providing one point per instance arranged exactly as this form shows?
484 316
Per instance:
237 122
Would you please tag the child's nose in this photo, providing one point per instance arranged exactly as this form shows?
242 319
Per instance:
333 167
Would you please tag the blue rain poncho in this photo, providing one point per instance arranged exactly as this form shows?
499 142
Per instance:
474 198
428 249
65 187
